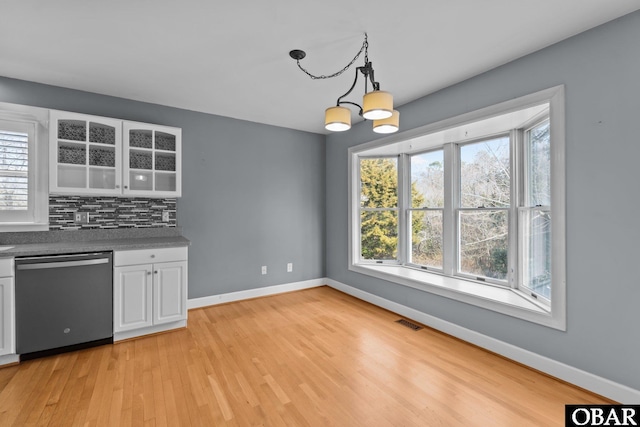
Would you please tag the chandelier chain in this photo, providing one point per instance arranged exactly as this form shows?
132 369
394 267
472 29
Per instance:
364 48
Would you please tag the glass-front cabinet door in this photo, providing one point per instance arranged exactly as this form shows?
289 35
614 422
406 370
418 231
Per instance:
152 158
85 154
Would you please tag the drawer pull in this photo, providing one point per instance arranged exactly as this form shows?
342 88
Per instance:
149 256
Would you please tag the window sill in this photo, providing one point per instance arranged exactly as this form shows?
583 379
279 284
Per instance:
23 226
502 300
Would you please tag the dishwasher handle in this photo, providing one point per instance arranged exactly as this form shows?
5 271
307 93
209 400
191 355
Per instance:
60 264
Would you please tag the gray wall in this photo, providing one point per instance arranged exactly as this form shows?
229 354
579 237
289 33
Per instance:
253 194
601 73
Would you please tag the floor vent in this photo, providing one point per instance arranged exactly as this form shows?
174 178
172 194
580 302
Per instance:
409 324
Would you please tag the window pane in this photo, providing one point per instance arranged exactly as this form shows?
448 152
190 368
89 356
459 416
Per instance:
538 168
536 238
484 174
14 162
379 234
14 193
427 180
426 238
483 243
379 183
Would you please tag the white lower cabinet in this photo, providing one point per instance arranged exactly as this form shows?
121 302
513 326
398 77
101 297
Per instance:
7 317
169 292
150 291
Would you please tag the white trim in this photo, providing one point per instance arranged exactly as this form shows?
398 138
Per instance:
9 358
500 299
23 226
578 377
154 329
253 293
558 208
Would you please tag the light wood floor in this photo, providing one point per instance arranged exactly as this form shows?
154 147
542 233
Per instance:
309 358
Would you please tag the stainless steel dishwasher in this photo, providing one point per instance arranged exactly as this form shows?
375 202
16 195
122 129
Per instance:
63 303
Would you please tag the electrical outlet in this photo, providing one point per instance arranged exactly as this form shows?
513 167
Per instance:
289 267
165 216
264 269
81 217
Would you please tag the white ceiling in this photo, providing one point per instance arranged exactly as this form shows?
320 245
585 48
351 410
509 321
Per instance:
231 58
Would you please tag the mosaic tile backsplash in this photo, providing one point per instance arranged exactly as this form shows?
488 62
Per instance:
110 212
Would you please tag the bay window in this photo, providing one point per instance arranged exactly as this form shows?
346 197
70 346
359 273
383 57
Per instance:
471 208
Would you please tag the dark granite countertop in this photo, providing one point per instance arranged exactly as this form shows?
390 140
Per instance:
66 242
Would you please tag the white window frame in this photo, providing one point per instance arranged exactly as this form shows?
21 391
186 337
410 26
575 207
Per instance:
457 208
410 209
36 217
397 210
510 299
521 208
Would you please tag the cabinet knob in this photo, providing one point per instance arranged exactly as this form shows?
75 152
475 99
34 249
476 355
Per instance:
153 256
148 273
126 186
117 186
156 271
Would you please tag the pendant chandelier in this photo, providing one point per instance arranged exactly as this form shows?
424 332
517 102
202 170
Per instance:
377 105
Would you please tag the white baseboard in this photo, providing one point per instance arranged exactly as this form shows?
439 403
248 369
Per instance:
253 293
602 386
9 359
154 329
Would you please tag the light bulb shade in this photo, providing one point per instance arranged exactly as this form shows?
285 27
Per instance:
388 125
377 105
337 119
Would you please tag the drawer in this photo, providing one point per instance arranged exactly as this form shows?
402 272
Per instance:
149 256
6 267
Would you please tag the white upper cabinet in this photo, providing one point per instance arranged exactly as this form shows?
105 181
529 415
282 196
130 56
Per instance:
152 158
93 155
85 154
